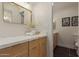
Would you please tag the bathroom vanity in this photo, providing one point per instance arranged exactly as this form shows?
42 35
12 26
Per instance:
30 46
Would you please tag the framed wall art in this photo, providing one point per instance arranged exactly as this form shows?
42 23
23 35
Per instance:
74 21
66 21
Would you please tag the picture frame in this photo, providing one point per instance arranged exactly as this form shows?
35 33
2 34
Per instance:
66 21
74 21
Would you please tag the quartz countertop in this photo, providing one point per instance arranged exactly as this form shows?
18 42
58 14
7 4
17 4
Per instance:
10 41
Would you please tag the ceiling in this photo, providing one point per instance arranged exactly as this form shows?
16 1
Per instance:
58 5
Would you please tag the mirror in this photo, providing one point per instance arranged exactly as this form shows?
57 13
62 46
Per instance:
16 14
1 12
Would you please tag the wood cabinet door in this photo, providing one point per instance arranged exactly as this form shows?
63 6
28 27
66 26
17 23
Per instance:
18 50
34 50
55 39
43 47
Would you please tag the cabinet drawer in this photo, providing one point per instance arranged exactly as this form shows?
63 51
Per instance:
43 40
33 43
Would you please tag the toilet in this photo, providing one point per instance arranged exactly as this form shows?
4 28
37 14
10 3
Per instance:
76 41
77 47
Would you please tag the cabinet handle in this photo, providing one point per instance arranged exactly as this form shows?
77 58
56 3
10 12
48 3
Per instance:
33 47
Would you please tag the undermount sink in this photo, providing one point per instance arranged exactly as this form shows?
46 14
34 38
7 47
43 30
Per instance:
32 32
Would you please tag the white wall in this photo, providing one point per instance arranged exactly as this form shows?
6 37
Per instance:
61 10
12 30
42 18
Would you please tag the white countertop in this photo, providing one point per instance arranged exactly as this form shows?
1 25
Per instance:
10 41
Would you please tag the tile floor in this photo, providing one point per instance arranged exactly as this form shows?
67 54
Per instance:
64 52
